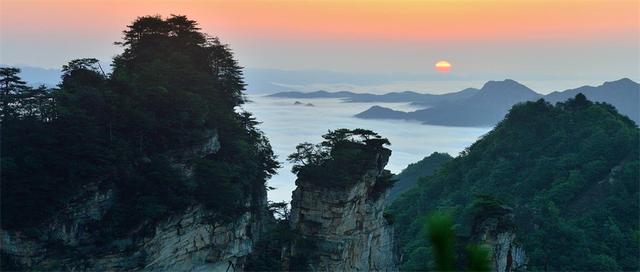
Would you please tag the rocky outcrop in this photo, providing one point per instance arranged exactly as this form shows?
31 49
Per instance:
182 243
187 241
498 232
346 226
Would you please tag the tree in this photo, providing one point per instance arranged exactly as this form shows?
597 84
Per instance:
439 227
441 235
280 210
307 154
342 158
11 85
90 64
173 90
37 103
358 135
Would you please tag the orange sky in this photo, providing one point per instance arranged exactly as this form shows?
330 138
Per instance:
375 20
256 28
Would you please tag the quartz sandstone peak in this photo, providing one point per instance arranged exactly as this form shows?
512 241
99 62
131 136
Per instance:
347 225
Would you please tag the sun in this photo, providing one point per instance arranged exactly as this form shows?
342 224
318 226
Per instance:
443 66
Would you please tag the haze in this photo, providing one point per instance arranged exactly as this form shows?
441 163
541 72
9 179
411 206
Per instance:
525 40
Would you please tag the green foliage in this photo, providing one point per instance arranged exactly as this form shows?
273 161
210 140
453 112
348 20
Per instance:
17 100
486 206
172 90
569 171
439 227
342 158
383 182
478 258
408 178
11 85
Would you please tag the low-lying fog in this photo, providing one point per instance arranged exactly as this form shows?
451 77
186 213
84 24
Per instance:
286 125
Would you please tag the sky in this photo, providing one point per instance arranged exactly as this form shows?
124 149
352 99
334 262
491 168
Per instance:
482 39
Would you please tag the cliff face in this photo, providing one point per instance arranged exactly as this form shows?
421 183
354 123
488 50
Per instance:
346 226
186 241
498 232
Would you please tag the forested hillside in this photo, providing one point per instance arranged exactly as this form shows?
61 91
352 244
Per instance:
570 173
423 168
173 92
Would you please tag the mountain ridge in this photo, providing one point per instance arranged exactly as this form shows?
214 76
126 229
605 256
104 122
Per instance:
568 172
493 100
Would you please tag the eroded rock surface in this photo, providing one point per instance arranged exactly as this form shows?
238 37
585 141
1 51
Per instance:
190 240
346 225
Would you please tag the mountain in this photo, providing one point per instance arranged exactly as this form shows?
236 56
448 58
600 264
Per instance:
337 220
316 94
126 172
489 105
460 95
484 107
377 112
500 95
338 206
624 94
567 175
469 107
423 168
423 99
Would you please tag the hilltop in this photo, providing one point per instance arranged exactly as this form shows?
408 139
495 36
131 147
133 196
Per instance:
567 175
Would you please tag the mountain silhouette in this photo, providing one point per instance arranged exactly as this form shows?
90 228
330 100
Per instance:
488 105
624 94
407 96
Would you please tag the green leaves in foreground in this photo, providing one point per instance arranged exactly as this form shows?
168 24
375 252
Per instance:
478 258
439 227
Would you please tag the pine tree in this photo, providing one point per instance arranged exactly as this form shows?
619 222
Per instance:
11 85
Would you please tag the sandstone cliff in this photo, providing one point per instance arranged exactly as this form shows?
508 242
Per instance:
186 241
498 232
345 225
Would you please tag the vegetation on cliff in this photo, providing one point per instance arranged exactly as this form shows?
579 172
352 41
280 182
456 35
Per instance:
569 171
439 231
172 90
341 159
337 163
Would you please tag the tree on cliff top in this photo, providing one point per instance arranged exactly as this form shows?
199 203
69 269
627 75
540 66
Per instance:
341 159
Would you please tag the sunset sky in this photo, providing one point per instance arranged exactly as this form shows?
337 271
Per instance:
482 39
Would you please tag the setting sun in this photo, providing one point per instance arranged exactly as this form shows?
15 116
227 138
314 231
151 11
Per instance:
443 66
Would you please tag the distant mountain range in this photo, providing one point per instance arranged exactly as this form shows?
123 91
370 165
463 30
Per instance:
408 96
624 94
259 80
469 107
481 107
35 76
